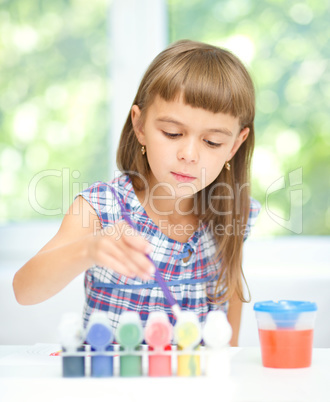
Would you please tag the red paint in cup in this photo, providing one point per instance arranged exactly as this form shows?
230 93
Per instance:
286 348
286 332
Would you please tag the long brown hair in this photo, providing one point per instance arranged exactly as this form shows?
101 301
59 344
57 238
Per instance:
213 79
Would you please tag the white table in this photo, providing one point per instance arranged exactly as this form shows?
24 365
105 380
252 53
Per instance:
29 374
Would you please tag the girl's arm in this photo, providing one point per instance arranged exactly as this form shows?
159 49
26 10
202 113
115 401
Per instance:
234 317
79 244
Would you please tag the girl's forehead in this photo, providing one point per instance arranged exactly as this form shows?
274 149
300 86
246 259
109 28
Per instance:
177 112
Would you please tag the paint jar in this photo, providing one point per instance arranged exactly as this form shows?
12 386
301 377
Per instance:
189 363
99 336
158 335
286 331
187 333
101 364
187 330
73 365
71 334
129 332
129 335
217 333
160 365
130 364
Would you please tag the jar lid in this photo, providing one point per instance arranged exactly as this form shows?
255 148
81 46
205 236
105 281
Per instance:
283 306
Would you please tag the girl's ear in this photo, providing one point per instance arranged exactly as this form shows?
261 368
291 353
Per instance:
137 124
239 141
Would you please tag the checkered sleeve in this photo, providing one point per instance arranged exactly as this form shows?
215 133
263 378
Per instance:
102 201
255 208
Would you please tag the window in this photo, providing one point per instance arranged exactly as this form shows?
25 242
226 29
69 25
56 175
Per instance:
53 105
285 47
57 132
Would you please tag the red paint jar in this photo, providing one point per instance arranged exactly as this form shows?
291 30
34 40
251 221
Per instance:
158 335
160 365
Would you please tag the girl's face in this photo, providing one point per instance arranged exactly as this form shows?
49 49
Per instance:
186 147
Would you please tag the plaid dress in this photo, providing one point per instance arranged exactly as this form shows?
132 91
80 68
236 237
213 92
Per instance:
189 282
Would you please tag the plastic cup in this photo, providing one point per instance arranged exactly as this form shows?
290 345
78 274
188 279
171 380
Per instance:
286 331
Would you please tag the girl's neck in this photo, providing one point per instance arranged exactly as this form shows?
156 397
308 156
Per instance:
164 202
173 216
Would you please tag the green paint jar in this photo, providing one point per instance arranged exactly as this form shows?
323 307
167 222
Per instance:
129 332
130 365
129 335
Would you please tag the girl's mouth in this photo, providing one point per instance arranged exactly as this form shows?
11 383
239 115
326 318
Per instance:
184 178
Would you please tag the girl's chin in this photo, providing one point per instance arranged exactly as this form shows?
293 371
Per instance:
185 193
175 189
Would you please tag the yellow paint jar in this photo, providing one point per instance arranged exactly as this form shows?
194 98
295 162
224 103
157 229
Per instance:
188 365
187 333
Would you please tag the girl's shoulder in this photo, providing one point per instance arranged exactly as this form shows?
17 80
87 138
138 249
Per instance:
255 208
101 198
122 186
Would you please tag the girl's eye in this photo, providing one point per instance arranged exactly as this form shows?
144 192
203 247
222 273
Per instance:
176 135
212 144
171 135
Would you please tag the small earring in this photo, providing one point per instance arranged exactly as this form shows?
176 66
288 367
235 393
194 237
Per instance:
143 150
227 165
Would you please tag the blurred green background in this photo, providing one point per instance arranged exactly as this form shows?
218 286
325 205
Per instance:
54 101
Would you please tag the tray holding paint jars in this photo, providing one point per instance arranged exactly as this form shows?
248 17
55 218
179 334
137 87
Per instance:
159 357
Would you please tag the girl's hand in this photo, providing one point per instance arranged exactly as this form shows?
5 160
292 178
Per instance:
79 244
121 249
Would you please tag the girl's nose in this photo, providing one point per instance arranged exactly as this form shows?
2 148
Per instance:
188 152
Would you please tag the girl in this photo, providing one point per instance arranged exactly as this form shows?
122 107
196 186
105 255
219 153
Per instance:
184 157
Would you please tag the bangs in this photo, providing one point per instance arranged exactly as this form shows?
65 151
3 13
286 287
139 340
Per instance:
211 79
